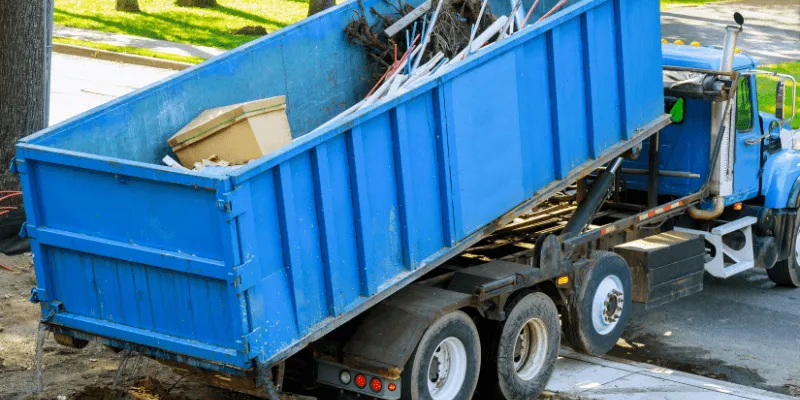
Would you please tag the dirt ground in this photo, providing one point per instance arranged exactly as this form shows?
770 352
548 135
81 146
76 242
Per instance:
68 373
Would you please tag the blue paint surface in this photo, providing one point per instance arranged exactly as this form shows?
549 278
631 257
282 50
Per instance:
682 147
780 173
244 268
702 57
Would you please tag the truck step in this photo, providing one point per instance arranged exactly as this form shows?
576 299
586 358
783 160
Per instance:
731 247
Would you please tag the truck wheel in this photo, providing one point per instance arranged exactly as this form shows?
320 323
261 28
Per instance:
601 306
523 349
787 272
447 361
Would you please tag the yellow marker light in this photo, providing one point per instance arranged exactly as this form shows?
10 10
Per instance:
678 42
664 41
562 280
737 207
695 44
738 50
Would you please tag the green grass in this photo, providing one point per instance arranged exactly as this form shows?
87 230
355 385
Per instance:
129 50
162 19
766 89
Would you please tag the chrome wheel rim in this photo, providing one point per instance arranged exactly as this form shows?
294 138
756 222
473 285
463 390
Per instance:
447 369
607 304
530 349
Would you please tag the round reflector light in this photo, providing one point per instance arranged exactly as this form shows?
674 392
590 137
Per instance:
392 387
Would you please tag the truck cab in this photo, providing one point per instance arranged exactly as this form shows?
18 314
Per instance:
757 175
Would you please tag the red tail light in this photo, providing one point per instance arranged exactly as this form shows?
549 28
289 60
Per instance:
361 381
376 385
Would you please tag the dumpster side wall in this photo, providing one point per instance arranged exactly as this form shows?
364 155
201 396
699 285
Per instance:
339 217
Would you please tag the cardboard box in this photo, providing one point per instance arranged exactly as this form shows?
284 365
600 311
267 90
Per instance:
237 133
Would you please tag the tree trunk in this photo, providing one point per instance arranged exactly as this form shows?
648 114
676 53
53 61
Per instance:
197 3
24 79
315 6
128 5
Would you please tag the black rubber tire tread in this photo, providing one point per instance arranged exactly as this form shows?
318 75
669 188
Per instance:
498 378
576 324
414 384
787 272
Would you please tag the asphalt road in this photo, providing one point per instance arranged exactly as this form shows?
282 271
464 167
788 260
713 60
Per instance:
743 330
771 30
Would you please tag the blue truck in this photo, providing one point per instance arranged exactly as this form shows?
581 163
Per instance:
445 237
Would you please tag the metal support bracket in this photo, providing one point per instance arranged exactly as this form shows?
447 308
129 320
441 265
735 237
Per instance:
725 244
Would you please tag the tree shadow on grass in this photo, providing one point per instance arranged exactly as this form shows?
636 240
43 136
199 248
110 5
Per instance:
252 17
155 26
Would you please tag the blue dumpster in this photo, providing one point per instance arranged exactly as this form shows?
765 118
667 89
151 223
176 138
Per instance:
231 271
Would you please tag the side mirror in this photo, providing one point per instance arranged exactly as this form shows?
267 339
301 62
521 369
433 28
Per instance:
780 96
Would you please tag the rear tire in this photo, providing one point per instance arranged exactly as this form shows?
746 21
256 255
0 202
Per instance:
522 350
599 310
446 362
787 272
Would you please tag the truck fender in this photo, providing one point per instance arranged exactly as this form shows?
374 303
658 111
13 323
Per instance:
794 194
780 181
389 334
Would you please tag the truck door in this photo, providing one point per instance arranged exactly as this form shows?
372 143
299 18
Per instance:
747 159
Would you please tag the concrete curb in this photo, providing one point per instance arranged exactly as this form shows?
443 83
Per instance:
119 57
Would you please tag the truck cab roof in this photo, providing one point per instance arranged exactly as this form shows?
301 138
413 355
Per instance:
701 57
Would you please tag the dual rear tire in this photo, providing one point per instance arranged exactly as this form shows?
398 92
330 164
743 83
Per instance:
518 355
446 362
522 350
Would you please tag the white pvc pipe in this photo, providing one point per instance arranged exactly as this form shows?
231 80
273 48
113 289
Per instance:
427 38
396 85
484 37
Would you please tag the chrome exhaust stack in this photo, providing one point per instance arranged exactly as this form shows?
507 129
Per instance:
729 47
722 179
721 124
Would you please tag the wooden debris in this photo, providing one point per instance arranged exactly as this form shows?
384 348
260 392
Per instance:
408 19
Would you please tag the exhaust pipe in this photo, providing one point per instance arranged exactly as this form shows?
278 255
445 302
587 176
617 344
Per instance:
717 126
698 213
729 47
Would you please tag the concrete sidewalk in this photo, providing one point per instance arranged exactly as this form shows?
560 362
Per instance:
578 376
162 46
80 84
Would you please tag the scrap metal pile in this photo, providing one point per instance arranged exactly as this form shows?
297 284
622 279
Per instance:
414 45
